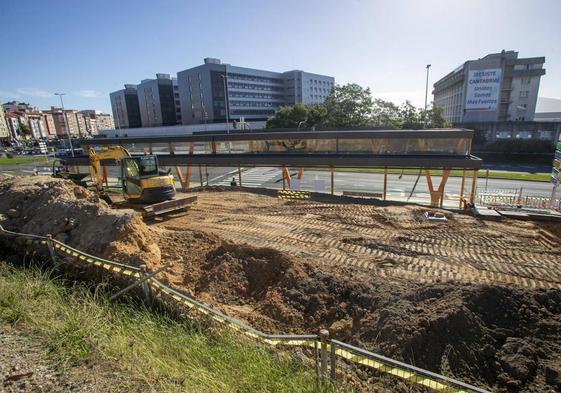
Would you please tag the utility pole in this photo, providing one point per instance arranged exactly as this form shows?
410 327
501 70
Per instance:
226 103
66 122
426 96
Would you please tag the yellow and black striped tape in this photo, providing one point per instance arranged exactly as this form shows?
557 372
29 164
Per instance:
96 261
218 318
395 371
290 194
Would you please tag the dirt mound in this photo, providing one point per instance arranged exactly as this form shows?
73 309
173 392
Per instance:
504 337
44 205
232 270
501 337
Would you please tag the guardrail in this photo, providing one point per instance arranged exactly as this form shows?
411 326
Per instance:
326 350
510 201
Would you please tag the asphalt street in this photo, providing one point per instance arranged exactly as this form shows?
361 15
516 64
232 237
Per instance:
407 187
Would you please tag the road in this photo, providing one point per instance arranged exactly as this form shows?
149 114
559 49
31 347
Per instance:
399 187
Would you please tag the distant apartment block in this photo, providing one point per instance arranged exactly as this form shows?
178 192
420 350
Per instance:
26 121
49 122
4 130
62 130
125 107
208 91
498 87
156 101
97 120
104 121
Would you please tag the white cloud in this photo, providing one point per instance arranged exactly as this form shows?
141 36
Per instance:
33 92
88 93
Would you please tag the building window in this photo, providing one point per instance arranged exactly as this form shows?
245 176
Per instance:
524 94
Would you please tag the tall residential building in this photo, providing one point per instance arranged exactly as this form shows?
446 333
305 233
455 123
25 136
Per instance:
156 101
49 122
207 90
14 125
60 125
104 121
97 120
125 107
497 87
5 134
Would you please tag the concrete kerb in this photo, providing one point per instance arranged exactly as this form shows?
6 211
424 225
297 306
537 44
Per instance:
321 343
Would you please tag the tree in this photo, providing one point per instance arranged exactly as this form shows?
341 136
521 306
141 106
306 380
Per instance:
410 116
385 114
288 116
348 106
435 118
298 116
317 116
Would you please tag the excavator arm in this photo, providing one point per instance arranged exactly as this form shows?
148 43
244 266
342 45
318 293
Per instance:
114 152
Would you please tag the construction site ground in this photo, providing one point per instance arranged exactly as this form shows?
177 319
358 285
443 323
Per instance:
392 242
472 299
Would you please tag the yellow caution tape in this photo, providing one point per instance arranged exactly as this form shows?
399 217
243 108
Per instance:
398 372
289 194
96 261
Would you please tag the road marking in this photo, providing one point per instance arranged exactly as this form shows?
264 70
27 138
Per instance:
254 177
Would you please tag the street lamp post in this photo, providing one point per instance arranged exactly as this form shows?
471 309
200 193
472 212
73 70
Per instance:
66 123
225 79
426 95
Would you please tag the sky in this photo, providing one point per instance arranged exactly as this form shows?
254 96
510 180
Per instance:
87 49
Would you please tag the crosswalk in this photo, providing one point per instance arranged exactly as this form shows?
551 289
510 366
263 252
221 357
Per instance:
254 177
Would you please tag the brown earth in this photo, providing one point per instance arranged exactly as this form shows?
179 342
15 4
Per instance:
25 367
476 300
43 205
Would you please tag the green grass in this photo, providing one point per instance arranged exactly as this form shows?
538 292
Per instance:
162 354
545 177
17 160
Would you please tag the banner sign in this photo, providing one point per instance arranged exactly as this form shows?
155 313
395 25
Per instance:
483 90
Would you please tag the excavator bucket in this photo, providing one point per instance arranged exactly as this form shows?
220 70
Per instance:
175 205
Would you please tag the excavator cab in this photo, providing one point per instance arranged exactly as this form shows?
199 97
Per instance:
143 180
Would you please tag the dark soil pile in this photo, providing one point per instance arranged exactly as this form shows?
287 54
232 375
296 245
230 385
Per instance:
503 338
43 205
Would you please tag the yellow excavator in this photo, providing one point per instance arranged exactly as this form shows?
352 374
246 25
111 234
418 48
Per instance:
143 181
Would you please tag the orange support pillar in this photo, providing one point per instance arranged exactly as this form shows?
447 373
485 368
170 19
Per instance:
462 186
184 180
385 181
473 187
332 181
285 177
437 196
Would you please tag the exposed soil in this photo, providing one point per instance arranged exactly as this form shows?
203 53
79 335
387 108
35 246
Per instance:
476 300
43 205
24 367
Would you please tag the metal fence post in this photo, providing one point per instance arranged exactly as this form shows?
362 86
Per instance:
324 336
333 361
52 251
316 361
144 285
